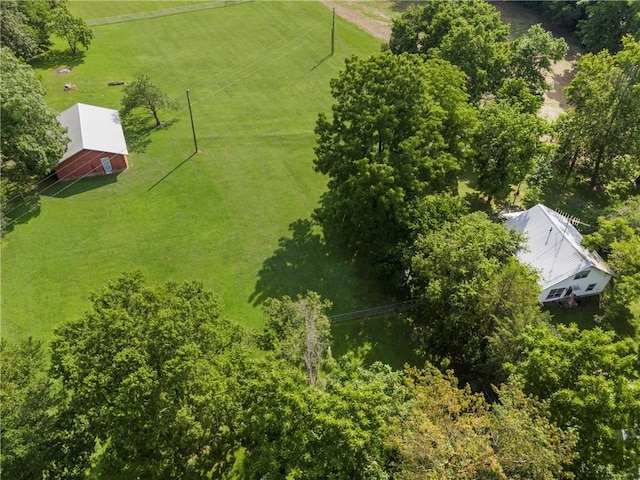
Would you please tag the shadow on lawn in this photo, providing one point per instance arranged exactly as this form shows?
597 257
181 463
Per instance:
304 262
171 171
58 58
137 130
383 339
67 188
20 210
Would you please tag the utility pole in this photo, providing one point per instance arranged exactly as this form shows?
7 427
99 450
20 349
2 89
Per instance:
333 32
193 129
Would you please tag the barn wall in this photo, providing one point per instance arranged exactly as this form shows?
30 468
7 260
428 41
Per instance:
87 163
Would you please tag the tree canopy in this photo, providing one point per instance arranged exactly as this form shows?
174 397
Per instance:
453 278
506 145
72 29
618 240
25 27
396 128
471 35
600 137
32 139
151 372
590 380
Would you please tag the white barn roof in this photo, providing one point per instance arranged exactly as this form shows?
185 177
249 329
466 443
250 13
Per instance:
553 245
92 128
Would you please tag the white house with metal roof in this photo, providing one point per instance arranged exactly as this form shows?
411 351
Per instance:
553 247
97 145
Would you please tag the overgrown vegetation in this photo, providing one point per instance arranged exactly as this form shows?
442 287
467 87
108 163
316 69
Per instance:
154 381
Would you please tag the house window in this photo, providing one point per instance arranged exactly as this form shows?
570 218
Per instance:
591 287
580 275
555 293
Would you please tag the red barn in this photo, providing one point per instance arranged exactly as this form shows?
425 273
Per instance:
97 145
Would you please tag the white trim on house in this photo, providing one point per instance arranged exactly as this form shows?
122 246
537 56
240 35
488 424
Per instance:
553 247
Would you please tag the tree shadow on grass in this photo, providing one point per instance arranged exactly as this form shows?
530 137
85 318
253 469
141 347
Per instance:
137 131
58 58
67 188
304 262
384 339
20 210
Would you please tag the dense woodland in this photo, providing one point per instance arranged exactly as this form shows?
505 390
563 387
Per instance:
152 382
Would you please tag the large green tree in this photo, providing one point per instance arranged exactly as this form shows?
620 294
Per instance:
40 437
600 136
25 26
506 145
152 371
618 240
141 93
447 432
296 431
590 380
531 57
452 276
605 23
397 132
73 30
31 138
469 34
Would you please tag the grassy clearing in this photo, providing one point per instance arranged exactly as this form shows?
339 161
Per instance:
228 216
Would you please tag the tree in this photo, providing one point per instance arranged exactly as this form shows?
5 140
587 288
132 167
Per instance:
25 29
618 239
472 36
531 55
152 371
606 23
589 379
39 437
506 145
447 432
295 431
448 276
141 93
298 332
600 137
469 34
397 125
32 139
527 444
72 29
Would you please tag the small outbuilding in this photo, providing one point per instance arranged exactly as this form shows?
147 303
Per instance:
553 247
97 145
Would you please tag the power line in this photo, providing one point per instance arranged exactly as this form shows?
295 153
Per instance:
285 49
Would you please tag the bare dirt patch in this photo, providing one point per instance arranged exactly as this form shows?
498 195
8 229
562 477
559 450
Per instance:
62 70
352 11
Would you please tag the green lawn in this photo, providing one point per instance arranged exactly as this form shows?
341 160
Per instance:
232 216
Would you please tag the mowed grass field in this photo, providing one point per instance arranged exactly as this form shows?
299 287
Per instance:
233 216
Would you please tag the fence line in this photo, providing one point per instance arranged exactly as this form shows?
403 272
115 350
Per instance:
371 312
162 13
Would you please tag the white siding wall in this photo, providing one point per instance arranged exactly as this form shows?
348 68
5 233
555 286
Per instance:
595 276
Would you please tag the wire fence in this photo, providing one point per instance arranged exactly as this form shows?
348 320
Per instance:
372 312
164 12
